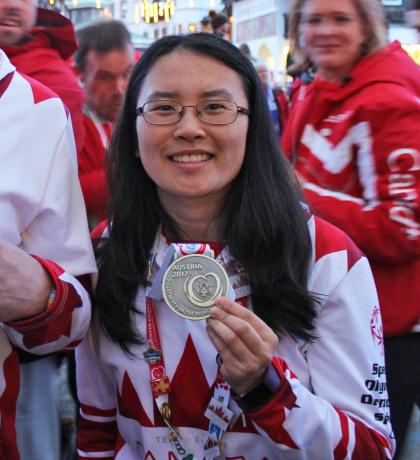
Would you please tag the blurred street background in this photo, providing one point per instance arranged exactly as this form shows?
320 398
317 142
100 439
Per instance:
261 24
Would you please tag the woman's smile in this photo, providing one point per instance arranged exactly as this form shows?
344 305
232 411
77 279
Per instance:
195 156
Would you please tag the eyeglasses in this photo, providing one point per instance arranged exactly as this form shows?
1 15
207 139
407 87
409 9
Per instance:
213 112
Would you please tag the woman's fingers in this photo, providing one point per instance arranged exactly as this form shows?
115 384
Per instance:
245 343
247 325
242 370
230 346
236 332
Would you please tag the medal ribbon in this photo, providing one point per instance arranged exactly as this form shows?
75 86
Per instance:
186 249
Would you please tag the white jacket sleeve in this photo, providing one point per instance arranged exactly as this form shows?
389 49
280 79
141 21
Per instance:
42 212
347 413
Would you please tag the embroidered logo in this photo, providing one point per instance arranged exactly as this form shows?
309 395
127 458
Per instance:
376 328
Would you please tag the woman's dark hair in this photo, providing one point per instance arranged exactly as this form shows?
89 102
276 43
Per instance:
262 219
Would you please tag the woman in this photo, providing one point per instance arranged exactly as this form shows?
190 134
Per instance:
280 370
353 138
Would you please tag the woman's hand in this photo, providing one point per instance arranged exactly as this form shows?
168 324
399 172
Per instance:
245 344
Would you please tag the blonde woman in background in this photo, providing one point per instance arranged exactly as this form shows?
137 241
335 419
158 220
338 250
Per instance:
353 139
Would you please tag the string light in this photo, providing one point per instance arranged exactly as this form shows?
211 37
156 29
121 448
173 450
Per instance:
155 11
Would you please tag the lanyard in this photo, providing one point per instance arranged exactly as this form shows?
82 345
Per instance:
159 381
217 410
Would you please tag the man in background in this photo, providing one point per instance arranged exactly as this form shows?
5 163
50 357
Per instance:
103 63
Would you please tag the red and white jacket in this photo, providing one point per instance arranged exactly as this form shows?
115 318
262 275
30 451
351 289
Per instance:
357 146
331 404
41 211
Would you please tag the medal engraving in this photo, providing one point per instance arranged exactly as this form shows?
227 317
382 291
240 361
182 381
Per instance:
192 283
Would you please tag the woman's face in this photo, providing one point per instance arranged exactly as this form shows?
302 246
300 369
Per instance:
191 159
331 34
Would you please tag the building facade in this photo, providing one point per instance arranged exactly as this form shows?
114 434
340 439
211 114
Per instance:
262 25
147 20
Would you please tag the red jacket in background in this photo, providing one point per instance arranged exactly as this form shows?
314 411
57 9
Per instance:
43 57
91 160
357 144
